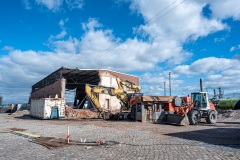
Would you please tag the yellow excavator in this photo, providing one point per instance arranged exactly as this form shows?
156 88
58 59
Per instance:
124 97
92 92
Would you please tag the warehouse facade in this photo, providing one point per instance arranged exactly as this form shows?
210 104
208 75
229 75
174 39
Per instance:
55 85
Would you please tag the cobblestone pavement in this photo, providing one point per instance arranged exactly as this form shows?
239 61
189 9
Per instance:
136 140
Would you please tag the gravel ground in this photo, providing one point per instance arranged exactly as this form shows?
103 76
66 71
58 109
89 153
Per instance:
136 140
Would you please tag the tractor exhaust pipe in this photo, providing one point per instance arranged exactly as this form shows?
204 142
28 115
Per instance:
201 85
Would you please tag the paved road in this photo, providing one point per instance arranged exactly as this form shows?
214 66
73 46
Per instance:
136 140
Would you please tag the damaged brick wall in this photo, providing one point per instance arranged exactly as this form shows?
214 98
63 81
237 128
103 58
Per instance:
56 89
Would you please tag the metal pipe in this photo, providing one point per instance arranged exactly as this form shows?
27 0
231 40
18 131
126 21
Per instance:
220 93
201 89
170 89
164 88
214 94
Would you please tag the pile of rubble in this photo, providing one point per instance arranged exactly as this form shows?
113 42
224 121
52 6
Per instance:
79 113
229 115
21 113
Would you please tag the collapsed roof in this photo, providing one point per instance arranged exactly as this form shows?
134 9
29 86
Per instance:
74 78
79 77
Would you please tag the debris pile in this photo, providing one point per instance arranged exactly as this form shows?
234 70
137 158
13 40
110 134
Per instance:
229 115
55 143
4 109
21 113
79 113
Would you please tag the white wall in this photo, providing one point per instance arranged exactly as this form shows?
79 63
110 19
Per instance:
114 103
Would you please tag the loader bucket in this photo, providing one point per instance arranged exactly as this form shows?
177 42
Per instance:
176 119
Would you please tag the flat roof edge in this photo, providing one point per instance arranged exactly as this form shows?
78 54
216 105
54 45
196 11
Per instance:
109 70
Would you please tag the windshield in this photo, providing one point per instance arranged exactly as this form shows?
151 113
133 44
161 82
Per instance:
199 99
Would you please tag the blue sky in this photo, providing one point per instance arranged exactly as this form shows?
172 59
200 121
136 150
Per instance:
147 38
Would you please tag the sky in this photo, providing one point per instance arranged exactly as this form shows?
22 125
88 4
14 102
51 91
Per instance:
146 38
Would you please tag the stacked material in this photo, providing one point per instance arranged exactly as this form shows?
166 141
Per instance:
79 113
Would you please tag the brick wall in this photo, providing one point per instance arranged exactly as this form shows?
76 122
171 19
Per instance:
56 89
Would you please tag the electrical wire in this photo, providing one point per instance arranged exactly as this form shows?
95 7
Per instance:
160 12
166 13
111 48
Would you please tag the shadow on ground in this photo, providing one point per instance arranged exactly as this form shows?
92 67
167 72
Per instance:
231 122
228 137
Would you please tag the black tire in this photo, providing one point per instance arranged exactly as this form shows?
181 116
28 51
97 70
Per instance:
194 117
211 117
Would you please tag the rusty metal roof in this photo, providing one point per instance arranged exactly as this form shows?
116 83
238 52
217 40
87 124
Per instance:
158 98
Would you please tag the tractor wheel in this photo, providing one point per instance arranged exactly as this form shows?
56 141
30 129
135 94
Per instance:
194 117
211 117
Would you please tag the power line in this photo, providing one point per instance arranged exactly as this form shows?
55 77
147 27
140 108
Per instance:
160 12
166 13
108 50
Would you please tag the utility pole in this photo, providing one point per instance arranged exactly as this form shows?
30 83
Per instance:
164 88
170 90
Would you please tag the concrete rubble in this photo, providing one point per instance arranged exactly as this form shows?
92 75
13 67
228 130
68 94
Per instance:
79 113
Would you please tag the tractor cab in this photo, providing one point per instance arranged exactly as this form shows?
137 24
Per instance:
200 100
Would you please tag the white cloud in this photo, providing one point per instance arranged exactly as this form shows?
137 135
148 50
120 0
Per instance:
107 46
218 72
50 4
70 46
153 83
62 23
54 5
179 24
233 48
72 4
91 25
54 38
236 56
26 4
100 48
206 65
8 48
61 35
225 9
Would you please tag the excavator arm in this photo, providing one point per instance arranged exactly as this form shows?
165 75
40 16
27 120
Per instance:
128 84
92 95
119 93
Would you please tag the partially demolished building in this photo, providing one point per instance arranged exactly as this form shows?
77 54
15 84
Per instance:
55 84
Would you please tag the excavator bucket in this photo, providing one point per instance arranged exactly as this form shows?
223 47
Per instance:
176 119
